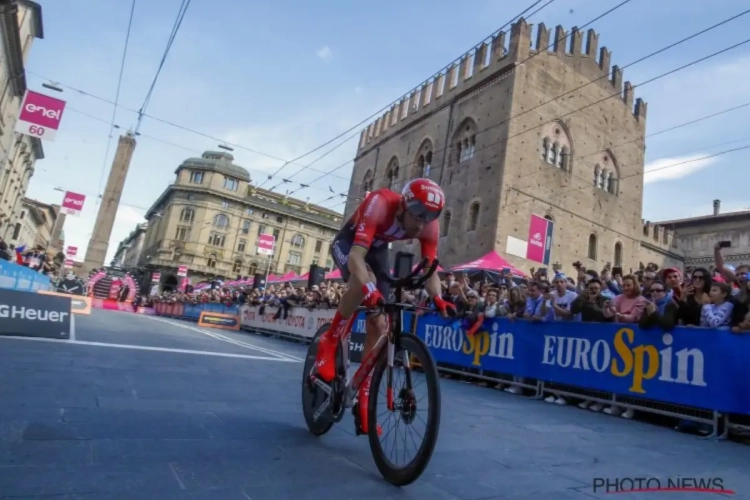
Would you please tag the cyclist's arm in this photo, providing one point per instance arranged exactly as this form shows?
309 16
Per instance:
365 228
428 241
357 266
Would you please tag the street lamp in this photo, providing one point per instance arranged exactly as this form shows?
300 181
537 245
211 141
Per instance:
52 86
228 148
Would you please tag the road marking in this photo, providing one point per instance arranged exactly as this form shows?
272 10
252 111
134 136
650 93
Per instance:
72 327
149 348
217 336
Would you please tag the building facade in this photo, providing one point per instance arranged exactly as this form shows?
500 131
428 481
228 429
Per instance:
20 24
210 219
690 242
514 129
38 223
129 250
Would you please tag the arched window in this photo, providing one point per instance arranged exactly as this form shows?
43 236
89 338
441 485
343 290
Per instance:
298 241
597 175
592 247
423 163
602 179
608 182
253 269
464 140
187 214
237 268
556 145
562 159
211 261
618 254
391 174
446 223
366 184
474 216
221 221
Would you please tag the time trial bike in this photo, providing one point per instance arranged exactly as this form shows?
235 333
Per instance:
325 404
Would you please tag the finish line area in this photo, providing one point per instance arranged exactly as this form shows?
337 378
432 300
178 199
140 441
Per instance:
141 407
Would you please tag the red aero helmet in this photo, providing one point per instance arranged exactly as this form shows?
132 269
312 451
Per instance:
423 199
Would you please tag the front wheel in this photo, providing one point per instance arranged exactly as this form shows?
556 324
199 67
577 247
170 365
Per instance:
408 411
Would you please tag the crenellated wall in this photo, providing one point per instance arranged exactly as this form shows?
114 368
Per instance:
500 54
528 122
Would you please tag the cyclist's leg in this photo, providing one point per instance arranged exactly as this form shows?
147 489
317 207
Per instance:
376 326
325 361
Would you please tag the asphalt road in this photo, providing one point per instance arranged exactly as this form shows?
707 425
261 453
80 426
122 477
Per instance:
147 408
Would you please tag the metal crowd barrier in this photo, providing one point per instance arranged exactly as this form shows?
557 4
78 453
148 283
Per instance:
721 423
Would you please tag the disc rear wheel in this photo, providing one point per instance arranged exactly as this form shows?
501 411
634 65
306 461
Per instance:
313 396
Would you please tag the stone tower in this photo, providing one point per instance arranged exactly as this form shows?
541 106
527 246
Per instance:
516 128
105 218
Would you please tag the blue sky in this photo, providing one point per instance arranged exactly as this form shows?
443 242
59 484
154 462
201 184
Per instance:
283 77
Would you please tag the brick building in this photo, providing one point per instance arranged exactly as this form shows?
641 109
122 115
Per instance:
493 131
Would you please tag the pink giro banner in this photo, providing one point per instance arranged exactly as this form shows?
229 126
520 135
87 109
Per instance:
539 247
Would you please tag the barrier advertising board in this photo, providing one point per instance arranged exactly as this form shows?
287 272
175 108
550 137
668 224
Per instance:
217 320
79 304
32 314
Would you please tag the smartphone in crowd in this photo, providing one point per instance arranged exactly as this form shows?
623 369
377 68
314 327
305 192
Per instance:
725 244
617 270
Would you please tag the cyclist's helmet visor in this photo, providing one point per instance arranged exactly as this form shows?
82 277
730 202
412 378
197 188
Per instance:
422 212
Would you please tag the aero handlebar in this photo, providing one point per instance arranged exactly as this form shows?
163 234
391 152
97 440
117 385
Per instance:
413 281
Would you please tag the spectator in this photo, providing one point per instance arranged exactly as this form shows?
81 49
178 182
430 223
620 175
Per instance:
4 252
692 296
717 307
590 304
663 312
627 307
562 299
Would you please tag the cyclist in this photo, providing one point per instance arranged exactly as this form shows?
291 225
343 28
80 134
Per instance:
360 251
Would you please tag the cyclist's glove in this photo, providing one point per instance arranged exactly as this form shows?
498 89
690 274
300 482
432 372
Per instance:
444 306
373 297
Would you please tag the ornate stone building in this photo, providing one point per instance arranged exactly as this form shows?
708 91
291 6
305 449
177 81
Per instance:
211 217
38 223
128 254
20 25
513 129
690 242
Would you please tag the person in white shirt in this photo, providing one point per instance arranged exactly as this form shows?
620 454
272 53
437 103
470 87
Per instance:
562 298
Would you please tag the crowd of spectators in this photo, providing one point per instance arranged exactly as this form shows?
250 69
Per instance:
36 258
282 296
715 297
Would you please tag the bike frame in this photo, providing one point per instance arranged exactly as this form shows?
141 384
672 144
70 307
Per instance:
368 364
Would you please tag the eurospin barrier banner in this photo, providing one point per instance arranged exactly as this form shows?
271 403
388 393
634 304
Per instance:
697 367
15 277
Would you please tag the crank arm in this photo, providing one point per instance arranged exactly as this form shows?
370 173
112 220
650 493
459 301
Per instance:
321 409
323 386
